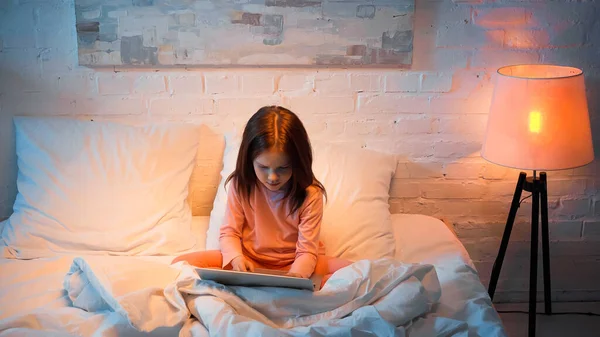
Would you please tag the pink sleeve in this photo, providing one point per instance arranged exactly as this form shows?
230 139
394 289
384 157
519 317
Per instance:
308 234
230 238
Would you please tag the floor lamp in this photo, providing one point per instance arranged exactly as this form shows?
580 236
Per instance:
538 121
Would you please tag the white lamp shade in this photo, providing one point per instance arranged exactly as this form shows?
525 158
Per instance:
539 119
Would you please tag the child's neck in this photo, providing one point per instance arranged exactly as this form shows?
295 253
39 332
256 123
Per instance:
281 190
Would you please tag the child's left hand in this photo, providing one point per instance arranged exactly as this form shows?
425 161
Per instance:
294 275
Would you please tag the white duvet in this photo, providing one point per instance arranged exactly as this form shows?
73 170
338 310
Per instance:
108 296
368 298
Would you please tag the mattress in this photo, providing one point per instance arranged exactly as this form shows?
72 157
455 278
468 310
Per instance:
33 289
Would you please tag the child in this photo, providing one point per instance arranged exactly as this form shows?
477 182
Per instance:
274 203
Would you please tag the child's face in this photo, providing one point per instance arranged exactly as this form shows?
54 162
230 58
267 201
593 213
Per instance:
273 169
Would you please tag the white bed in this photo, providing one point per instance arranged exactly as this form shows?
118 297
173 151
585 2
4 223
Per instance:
88 247
33 289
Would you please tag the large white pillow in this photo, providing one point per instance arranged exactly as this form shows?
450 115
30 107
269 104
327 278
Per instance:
97 187
356 218
217 214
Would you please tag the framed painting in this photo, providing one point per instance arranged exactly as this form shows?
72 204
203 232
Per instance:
205 33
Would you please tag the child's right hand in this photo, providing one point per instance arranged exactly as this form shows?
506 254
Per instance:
240 263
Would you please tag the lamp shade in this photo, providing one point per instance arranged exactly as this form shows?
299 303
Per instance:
538 119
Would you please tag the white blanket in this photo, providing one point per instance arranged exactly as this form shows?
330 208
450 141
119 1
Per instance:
367 298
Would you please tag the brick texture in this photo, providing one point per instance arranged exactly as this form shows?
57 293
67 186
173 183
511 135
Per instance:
186 84
110 84
407 82
436 82
433 116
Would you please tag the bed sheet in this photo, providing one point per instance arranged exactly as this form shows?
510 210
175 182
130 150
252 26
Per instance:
28 287
26 284
33 289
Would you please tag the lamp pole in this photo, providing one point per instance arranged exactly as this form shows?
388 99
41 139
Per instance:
539 193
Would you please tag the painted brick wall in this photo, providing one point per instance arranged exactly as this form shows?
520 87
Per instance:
432 116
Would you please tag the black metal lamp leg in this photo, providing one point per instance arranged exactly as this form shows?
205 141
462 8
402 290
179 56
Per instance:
543 188
534 255
506 236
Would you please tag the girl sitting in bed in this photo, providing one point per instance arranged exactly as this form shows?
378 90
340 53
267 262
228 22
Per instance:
274 203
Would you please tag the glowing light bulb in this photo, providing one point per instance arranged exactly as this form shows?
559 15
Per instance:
535 122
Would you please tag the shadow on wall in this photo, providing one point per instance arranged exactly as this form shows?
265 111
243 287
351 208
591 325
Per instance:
11 82
24 90
8 162
592 83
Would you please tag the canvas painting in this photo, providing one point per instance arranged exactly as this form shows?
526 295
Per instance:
168 33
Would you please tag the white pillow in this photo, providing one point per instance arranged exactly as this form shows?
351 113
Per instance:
356 218
96 187
202 188
217 214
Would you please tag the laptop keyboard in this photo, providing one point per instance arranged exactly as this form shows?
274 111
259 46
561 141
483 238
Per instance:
270 272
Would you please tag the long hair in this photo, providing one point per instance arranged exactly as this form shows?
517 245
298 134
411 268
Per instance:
279 128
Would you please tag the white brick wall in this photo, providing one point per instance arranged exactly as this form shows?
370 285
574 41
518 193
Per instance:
433 116
115 84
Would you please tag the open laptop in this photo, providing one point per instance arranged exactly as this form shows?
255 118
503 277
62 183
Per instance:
259 278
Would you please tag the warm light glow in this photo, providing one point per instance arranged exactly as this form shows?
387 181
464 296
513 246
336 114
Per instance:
525 38
504 17
539 119
535 121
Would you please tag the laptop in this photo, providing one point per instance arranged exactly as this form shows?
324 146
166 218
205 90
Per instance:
259 278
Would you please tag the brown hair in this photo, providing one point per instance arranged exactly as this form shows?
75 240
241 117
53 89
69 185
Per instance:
269 127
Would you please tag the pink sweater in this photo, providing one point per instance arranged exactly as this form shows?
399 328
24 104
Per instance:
260 230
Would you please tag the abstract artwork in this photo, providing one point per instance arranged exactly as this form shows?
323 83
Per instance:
194 33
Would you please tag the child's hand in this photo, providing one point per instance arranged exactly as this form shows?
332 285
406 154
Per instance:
240 263
294 275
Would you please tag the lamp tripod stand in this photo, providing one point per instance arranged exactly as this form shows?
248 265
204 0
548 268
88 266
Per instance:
539 192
